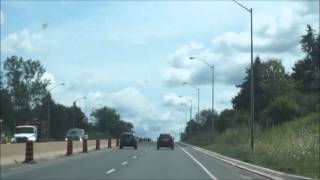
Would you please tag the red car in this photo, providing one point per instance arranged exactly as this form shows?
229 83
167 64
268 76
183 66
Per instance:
165 140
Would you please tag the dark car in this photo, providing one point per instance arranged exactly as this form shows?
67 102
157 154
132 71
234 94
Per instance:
76 134
165 140
128 140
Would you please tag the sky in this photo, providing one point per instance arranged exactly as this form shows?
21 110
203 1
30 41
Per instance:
134 55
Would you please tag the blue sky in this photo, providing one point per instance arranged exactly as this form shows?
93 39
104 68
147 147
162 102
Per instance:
133 55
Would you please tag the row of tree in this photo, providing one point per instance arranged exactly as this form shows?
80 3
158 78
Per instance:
25 99
279 96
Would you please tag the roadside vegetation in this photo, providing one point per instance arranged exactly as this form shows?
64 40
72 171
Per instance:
287 117
292 147
25 97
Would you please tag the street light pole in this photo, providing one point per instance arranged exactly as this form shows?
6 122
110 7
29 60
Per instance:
252 90
196 88
252 78
185 112
190 100
48 106
212 88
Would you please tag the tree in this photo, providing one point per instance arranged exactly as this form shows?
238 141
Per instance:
242 100
205 119
109 122
270 81
25 88
226 120
192 128
306 72
24 82
283 109
7 111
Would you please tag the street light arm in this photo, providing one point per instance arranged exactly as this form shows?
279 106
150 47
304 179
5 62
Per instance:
62 84
205 62
249 10
194 86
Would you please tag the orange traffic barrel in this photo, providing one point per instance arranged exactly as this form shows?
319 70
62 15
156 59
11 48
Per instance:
29 152
84 145
69 147
97 144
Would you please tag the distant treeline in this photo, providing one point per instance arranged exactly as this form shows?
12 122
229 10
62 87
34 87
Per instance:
279 96
25 98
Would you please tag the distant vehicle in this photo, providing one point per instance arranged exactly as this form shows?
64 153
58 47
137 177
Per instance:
25 133
128 139
76 134
165 140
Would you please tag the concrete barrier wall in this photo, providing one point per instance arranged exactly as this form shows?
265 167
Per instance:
15 153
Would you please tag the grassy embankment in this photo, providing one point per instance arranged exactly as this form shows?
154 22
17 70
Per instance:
293 147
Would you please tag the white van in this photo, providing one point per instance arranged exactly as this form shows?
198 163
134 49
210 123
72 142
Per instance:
25 133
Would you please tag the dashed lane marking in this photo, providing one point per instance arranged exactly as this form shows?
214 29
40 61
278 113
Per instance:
110 171
124 163
134 157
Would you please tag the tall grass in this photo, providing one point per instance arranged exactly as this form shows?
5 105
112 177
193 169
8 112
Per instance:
293 147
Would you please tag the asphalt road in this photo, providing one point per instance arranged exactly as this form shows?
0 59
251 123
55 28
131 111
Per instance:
144 163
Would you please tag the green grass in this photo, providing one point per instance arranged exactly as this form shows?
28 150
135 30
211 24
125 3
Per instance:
293 147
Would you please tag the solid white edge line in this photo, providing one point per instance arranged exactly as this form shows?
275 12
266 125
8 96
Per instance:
233 164
201 165
124 162
110 171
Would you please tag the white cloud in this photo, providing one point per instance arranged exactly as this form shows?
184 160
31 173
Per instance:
175 76
176 101
49 76
274 36
21 41
148 118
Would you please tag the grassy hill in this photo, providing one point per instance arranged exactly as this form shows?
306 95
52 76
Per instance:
293 147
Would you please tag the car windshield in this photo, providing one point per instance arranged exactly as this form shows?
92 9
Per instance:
164 136
126 135
160 89
21 130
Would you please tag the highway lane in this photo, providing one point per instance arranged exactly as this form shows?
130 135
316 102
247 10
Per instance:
144 163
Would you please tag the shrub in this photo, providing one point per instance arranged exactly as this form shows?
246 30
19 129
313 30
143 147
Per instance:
283 109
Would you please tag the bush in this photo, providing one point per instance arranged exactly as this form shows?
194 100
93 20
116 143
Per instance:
283 109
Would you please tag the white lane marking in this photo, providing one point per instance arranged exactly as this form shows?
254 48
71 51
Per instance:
110 171
141 152
201 165
223 159
134 157
124 163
